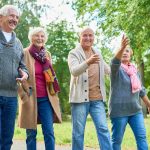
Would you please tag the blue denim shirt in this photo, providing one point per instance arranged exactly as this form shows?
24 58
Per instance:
122 101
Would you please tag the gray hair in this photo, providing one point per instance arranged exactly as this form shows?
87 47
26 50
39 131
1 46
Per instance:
4 11
84 29
36 30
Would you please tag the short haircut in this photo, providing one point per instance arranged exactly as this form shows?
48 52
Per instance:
130 49
84 29
36 30
4 11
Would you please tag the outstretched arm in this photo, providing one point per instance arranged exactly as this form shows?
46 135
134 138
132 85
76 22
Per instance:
116 61
124 43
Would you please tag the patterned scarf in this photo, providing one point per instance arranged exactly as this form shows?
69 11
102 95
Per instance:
131 70
48 70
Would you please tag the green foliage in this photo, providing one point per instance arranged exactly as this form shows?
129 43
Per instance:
147 71
112 17
30 17
25 23
61 40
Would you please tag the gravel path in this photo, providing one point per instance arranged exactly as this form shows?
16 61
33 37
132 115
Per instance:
20 145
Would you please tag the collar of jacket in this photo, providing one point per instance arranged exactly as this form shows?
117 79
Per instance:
3 40
81 51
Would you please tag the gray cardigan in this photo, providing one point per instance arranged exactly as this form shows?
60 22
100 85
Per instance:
79 85
122 101
11 58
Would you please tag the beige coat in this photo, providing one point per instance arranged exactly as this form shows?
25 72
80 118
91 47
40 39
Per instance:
79 85
28 117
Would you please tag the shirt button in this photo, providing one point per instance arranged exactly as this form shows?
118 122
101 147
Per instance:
85 80
85 99
85 90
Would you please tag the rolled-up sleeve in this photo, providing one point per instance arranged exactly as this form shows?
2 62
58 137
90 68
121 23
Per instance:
142 92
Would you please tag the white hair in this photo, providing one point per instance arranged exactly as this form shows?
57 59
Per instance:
4 11
84 29
36 30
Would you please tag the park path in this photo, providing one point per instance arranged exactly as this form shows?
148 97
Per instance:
20 145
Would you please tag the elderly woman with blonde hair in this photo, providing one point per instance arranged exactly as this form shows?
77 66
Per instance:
42 105
126 91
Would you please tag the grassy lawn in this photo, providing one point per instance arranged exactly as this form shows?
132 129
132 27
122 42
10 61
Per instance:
63 134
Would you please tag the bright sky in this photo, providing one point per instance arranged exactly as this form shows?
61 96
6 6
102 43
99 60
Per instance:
61 9
58 10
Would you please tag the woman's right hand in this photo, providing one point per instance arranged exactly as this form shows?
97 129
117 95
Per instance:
124 42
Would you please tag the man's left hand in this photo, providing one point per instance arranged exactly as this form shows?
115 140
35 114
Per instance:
24 76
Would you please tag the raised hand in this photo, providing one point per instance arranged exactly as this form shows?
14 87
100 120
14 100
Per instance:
124 42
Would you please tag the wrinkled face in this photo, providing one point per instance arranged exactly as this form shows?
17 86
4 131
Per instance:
126 55
9 22
87 38
38 39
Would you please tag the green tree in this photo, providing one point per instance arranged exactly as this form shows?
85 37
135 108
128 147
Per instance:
61 40
31 12
112 17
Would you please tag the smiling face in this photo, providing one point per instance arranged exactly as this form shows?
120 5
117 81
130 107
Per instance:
87 38
38 39
10 21
126 55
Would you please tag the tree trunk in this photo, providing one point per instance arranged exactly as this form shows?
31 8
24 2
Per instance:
141 69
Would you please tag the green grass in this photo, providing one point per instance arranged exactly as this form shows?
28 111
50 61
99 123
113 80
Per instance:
63 134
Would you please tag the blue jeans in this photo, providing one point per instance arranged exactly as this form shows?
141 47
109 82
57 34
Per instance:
8 109
45 113
80 112
136 123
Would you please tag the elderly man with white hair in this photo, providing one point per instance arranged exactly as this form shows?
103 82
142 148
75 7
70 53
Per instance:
12 69
87 91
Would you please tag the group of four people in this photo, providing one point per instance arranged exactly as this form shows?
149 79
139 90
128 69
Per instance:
30 73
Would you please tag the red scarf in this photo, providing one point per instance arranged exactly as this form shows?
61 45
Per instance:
131 70
48 70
